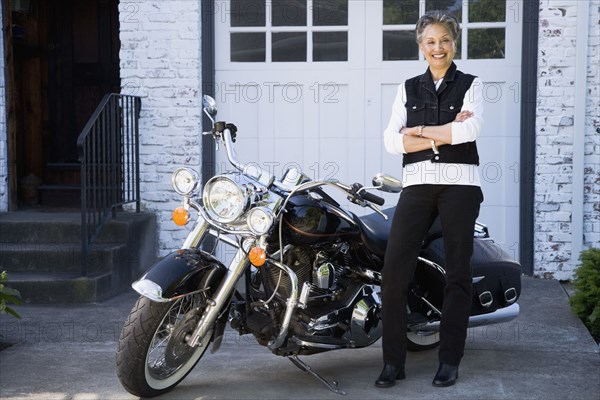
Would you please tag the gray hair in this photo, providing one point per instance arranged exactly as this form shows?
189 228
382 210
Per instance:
444 18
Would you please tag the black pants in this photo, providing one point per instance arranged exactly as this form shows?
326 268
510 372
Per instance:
458 208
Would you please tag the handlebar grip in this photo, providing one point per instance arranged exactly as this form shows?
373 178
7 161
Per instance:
373 198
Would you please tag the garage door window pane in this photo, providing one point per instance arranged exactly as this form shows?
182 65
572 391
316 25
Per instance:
486 43
454 6
400 45
247 13
398 12
289 46
330 46
248 47
289 12
487 10
330 12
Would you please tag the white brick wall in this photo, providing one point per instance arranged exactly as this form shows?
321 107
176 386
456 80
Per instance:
3 143
160 61
591 218
555 135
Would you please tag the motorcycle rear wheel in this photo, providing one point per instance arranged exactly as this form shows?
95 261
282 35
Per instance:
152 356
422 340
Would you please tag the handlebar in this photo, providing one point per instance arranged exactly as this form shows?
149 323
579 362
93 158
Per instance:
357 194
373 198
227 133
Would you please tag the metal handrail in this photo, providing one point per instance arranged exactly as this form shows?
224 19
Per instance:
109 154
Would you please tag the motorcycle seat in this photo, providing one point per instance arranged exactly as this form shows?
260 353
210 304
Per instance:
375 230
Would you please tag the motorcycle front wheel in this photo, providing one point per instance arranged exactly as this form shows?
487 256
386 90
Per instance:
152 354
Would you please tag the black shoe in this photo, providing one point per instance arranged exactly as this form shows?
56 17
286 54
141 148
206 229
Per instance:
389 376
446 375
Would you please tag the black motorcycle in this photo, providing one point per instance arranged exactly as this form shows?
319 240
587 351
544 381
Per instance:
304 279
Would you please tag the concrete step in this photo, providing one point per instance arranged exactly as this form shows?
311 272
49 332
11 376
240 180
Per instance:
41 253
56 227
60 195
47 288
57 257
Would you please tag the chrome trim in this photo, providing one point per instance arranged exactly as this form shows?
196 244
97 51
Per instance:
486 303
149 289
221 297
290 306
304 294
197 235
364 331
218 226
323 321
301 342
195 178
216 234
432 264
512 298
371 275
499 316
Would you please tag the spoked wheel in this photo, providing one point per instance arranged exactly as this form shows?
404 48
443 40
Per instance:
418 341
153 355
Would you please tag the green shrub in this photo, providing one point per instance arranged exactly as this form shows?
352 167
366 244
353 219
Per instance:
8 296
586 301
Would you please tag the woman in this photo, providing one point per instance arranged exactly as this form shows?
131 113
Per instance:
435 121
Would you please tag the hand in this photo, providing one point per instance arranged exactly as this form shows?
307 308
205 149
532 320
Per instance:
463 116
414 131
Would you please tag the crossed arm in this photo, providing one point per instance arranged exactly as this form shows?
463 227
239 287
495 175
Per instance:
400 139
441 134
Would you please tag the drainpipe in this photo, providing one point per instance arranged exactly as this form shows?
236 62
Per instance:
583 15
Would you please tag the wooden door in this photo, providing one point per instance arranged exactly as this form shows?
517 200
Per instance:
83 66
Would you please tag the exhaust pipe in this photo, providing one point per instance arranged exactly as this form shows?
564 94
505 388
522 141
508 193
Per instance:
501 315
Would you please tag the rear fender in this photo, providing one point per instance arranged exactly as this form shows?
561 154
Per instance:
180 272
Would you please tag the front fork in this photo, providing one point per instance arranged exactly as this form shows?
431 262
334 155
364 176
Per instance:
235 271
223 294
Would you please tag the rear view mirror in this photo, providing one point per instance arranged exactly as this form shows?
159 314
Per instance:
210 107
387 183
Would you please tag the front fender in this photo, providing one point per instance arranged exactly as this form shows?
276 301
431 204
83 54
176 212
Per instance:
180 272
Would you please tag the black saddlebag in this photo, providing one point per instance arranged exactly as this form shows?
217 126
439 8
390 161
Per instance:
496 276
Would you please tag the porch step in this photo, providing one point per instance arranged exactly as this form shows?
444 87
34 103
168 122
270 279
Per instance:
57 257
63 174
41 253
46 288
58 195
54 227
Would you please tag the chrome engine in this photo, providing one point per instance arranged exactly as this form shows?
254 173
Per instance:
335 309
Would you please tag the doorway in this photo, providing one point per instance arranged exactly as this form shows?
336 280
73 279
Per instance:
64 57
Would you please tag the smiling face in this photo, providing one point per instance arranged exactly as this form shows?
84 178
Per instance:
438 47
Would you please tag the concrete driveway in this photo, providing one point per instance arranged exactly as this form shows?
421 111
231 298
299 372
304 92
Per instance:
68 352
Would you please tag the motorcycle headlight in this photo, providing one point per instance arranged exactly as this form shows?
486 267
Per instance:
224 200
184 181
260 220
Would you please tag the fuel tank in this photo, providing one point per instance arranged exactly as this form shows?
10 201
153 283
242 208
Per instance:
316 218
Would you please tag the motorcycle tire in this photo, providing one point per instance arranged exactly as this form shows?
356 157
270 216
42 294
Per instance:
421 342
149 326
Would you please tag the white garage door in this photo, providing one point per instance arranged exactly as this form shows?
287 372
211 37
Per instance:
311 84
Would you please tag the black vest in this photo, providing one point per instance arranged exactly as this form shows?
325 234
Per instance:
426 106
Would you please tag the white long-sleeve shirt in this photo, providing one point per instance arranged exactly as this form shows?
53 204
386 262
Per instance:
427 172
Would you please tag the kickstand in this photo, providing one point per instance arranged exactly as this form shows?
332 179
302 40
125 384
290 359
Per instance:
333 385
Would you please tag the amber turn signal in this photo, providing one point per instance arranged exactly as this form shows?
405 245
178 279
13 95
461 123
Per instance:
257 256
180 216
